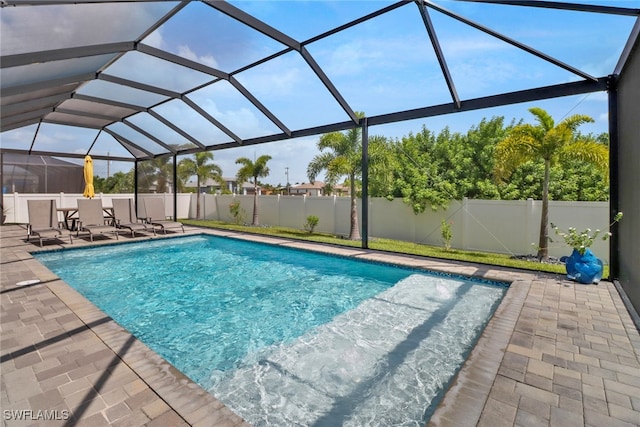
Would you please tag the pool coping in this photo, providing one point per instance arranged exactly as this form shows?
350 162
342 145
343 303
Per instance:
472 387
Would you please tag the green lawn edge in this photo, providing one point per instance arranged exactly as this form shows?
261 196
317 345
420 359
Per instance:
389 245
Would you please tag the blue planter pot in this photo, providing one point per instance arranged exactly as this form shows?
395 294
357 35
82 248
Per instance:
585 268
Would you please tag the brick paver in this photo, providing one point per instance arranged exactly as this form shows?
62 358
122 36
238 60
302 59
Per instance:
64 362
555 353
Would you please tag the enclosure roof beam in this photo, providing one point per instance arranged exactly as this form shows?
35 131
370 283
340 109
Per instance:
148 135
511 41
547 92
355 22
209 117
254 23
87 114
68 53
69 155
121 138
108 102
612 10
162 20
328 84
177 129
424 13
9 110
18 124
26 116
138 85
13 3
67 123
179 60
258 105
47 84
634 38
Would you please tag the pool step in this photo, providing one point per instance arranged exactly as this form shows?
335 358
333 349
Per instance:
381 363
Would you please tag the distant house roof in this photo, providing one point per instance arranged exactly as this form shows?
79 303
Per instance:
214 183
309 186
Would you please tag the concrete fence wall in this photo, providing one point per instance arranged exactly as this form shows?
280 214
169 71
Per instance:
501 226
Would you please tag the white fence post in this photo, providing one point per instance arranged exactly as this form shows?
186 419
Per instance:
278 209
501 226
15 207
464 227
528 222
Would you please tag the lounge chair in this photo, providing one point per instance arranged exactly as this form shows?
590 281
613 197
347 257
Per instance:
125 217
43 221
155 215
92 218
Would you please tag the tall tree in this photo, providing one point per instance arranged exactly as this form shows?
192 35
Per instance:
466 159
119 182
418 179
163 173
548 143
202 169
254 170
343 157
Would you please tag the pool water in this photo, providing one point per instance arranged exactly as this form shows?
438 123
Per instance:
289 337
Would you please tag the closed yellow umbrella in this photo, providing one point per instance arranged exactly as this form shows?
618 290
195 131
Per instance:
88 178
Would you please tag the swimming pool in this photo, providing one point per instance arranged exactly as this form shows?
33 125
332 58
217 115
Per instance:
284 336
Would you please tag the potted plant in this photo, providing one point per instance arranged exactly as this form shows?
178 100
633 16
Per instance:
583 266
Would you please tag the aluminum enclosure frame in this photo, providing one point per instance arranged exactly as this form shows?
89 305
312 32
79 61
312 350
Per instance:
31 103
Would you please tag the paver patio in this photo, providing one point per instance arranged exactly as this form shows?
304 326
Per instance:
555 353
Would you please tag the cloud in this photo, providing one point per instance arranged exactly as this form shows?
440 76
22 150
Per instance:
351 58
294 154
363 55
464 47
279 77
156 39
604 117
186 52
30 29
598 97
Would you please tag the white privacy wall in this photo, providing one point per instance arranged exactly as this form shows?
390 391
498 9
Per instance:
501 226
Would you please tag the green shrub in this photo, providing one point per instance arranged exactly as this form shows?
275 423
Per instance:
447 234
236 212
312 222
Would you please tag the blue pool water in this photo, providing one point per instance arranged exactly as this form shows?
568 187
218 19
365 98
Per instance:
285 336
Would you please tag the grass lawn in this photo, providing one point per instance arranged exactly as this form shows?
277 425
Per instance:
391 246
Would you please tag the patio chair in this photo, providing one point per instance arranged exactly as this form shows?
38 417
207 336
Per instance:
43 221
92 218
125 217
155 215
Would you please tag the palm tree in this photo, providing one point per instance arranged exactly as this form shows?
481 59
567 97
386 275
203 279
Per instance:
202 169
550 143
344 158
255 170
163 173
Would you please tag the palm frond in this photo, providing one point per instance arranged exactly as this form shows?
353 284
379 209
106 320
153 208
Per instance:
591 152
319 163
542 117
517 148
573 122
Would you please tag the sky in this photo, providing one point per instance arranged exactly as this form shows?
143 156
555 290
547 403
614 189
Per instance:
380 66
